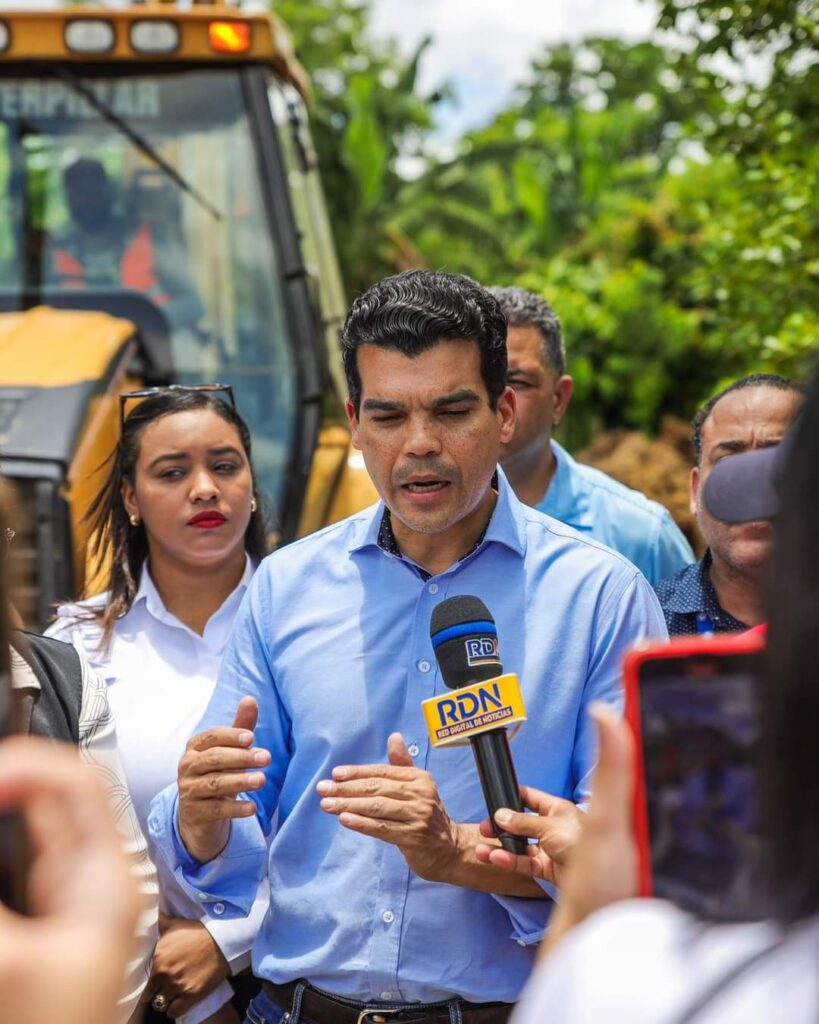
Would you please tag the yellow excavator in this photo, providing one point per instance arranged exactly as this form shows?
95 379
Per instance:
161 221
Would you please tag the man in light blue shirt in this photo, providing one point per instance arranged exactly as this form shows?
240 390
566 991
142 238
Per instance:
332 644
545 476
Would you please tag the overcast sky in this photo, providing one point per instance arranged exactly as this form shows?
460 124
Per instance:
484 46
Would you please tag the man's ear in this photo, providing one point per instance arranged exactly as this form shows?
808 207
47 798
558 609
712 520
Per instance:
352 419
564 386
507 410
693 489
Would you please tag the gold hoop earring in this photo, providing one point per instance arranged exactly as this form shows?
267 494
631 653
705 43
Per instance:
253 505
133 519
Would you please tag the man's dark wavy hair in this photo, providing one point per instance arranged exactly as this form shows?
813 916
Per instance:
414 311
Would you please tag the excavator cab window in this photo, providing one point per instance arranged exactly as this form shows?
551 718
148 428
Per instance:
150 183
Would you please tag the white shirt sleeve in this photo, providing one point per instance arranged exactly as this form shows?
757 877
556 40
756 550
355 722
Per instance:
98 749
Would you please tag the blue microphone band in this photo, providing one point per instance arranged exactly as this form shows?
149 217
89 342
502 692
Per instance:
462 629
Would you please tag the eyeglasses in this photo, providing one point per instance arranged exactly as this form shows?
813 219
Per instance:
128 396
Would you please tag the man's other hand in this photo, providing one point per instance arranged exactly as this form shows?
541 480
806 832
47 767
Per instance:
187 965
398 803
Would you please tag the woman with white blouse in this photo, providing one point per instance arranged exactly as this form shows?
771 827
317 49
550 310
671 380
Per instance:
178 524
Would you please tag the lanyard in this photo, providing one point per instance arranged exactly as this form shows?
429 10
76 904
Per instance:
705 626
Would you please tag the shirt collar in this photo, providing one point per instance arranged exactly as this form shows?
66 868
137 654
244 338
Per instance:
507 525
155 606
567 499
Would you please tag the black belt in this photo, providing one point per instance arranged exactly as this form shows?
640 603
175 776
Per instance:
322 1008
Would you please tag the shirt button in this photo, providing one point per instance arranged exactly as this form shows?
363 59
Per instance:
386 995
520 942
218 908
388 917
424 666
414 750
433 588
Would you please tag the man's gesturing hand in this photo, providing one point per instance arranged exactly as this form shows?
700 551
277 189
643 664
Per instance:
212 773
398 803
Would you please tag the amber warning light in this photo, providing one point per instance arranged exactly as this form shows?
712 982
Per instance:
229 36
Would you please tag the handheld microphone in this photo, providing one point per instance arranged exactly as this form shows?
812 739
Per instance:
465 641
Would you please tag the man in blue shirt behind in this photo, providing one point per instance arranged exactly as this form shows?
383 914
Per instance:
332 649
544 475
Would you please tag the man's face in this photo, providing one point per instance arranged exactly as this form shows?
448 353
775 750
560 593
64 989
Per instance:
753 417
429 438
542 397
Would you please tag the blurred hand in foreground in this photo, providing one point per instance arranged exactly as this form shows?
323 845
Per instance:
65 961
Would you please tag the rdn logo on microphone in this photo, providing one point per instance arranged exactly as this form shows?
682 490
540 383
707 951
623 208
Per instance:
461 707
470 710
482 650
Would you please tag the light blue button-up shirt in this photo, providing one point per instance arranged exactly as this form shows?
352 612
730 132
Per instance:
333 641
626 520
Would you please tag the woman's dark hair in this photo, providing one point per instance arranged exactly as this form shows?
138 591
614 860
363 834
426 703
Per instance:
790 694
113 537
414 311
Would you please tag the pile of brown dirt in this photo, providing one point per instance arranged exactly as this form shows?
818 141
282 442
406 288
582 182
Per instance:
658 467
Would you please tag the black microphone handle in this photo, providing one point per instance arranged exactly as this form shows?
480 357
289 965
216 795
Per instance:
499 782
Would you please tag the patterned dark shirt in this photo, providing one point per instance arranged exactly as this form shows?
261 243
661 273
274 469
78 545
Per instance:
690 604
388 543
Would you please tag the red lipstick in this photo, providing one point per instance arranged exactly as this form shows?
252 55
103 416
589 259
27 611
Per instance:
207 520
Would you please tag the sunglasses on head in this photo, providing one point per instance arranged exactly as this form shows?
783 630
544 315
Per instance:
130 396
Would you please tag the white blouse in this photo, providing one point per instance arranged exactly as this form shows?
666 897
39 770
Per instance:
647 961
160 676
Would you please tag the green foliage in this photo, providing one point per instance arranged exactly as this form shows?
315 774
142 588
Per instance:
663 199
366 115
